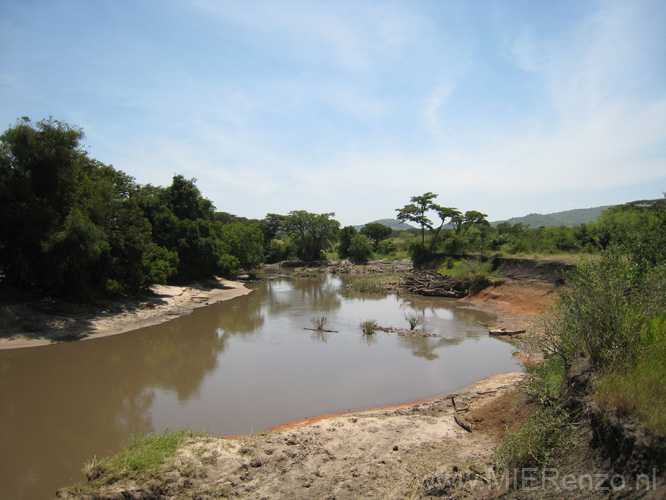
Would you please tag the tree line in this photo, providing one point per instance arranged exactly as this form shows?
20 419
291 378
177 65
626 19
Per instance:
73 226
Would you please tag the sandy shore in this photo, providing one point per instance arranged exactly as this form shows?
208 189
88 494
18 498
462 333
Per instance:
29 322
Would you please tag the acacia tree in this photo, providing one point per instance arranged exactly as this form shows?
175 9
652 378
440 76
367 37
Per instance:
416 212
312 232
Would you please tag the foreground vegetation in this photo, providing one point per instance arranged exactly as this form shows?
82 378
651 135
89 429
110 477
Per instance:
605 349
144 458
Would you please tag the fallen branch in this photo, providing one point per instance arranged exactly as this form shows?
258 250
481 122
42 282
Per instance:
457 418
502 331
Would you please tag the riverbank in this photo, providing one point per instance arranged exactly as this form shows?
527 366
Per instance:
30 321
404 451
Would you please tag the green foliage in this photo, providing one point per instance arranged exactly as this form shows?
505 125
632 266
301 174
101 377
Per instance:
367 283
534 442
88 230
614 316
360 248
142 457
319 322
345 237
376 232
456 242
312 232
82 233
244 243
639 387
368 326
413 319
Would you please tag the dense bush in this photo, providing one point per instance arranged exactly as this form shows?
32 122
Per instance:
74 227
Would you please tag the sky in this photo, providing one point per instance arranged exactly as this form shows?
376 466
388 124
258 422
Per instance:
353 107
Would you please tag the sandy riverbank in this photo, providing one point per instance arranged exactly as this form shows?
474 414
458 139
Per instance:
27 321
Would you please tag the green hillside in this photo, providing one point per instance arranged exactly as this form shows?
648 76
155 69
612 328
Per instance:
568 218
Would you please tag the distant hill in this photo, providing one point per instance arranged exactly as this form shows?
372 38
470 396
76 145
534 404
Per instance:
569 218
392 223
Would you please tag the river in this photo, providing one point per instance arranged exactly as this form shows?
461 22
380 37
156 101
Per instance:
236 367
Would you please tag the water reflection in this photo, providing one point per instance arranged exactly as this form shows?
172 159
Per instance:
239 366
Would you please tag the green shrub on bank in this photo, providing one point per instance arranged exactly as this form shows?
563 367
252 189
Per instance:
611 317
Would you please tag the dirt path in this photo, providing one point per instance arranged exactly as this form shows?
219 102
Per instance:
26 321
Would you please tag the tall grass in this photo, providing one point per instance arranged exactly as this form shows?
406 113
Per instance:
640 386
368 283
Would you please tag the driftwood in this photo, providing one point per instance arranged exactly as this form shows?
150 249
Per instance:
432 283
457 418
502 331
320 330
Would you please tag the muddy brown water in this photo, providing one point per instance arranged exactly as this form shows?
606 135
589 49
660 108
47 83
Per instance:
237 367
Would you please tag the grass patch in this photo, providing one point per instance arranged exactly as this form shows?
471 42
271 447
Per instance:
143 456
533 443
368 326
369 283
319 322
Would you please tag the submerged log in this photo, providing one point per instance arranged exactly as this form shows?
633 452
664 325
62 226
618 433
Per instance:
320 330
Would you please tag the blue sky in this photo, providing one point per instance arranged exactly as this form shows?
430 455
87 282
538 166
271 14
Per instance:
506 107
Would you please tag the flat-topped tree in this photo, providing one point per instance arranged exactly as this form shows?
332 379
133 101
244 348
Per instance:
416 212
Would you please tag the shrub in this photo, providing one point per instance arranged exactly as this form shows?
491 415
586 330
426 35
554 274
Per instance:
319 322
413 319
368 326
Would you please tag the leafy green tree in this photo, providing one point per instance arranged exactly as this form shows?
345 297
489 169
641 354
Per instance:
376 232
244 243
270 228
183 222
345 237
69 224
312 232
360 248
